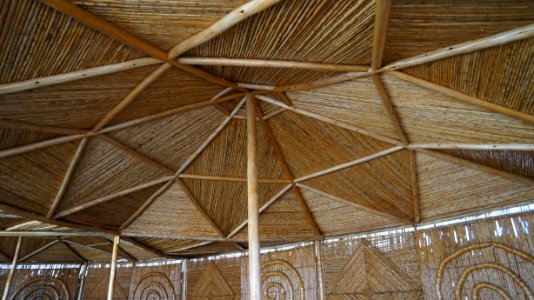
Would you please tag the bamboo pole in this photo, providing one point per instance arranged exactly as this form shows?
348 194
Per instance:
235 179
81 281
383 8
319 264
12 269
253 213
184 279
415 187
389 108
39 250
116 241
520 147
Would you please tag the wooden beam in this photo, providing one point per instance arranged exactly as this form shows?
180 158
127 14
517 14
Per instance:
108 198
29 84
67 178
350 163
284 98
235 179
356 205
383 8
199 208
49 233
143 246
40 145
254 86
254 265
464 98
116 241
12 269
40 128
263 63
329 120
389 109
74 251
235 16
479 167
39 250
262 209
171 236
22 225
516 34
415 188
92 247
519 147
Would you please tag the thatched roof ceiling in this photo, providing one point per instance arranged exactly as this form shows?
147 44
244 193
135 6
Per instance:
128 116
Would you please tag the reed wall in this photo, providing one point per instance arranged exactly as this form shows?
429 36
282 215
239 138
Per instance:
476 259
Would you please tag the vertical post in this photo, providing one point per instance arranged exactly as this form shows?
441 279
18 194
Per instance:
319 264
253 213
116 241
81 281
184 280
12 270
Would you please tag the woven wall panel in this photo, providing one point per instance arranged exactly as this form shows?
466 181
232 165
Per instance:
54 283
159 282
97 280
500 249
219 278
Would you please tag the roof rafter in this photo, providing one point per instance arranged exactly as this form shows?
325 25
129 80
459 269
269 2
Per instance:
199 244
143 246
39 250
235 179
390 111
415 187
383 8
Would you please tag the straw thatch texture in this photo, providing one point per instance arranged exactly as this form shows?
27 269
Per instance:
173 215
39 41
44 283
14 137
505 242
219 278
291 272
493 74
353 102
96 282
67 104
167 245
516 162
164 281
20 173
58 253
310 145
209 249
172 140
8 244
375 268
173 22
282 221
447 189
336 217
415 28
429 116
381 184
104 169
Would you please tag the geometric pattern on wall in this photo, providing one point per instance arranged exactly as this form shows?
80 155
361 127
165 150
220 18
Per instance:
280 280
212 285
368 273
155 286
43 288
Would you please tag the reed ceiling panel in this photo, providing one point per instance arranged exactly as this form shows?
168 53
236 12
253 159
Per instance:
313 31
432 117
8 222
173 89
517 162
353 102
166 245
104 170
91 254
415 28
172 214
112 214
226 201
266 108
172 140
283 220
310 145
36 41
503 75
137 252
14 137
382 184
447 188
226 154
172 21
20 175
77 104
28 245
58 253
211 248
335 217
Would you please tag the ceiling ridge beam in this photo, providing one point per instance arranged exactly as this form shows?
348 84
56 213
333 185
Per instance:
228 178
519 147
117 33
390 110
85 246
480 167
350 163
19 86
356 205
108 198
39 250
329 120
173 237
415 187
382 12
22 225
285 166
464 98
266 63
235 16
262 208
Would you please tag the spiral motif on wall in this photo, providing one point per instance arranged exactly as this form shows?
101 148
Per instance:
477 287
281 281
154 286
42 288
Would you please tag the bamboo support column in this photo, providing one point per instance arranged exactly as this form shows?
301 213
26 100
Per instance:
319 264
116 241
253 212
184 279
12 270
81 281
